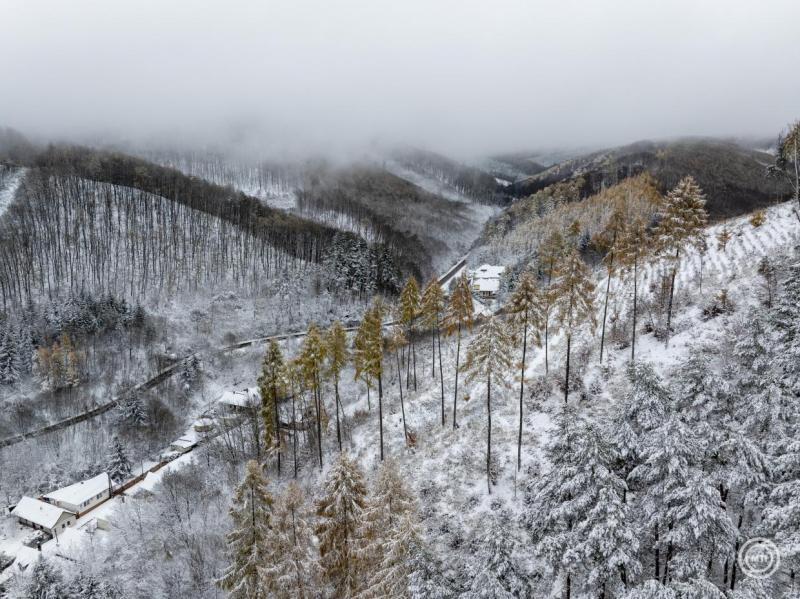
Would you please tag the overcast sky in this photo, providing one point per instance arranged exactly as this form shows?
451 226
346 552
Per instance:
457 76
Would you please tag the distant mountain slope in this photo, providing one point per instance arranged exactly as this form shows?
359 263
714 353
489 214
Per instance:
732 176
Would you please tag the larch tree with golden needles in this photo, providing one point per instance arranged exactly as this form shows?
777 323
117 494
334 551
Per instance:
337 356
459 315
250 542
370 354
489 359
408 312
359 353
787 161
682 221
609 240
551 251
311 361
631 251
295 566
396 341
272 385
340 514
574 304
432 306
526 309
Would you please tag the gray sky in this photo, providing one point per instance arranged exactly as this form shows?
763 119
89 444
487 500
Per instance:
457 76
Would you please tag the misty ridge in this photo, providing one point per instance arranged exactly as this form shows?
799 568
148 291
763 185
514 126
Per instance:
411 300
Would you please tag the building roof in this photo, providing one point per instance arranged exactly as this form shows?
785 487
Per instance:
184 443
44 514
148 484
487 278
83 491
246 398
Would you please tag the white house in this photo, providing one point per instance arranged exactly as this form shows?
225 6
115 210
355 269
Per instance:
485 280
81 496
240 401
43 516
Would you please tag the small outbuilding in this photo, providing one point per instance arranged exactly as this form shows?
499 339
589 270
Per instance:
240 401
42 516
485 280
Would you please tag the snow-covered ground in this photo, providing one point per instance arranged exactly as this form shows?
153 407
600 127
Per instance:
8 188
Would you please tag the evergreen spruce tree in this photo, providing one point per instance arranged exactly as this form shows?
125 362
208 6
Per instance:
337 356
432 305
272 385
408 312
425 578
339 513
311 361
498 574
9 373
682 222
390 577
118 465
397 340
459 314
574 304
296 570
527 310
45 582
249 574
131 410
489 359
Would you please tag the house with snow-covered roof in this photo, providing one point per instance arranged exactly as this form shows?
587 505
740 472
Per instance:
42 516
240 401
485 280
81 496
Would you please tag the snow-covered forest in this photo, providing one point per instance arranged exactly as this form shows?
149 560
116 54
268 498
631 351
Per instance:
417 300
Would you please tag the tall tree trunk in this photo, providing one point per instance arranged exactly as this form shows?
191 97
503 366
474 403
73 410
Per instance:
455 391
605 306
294 435
414 359
433 354
336 393
277 428
566 377
657 553
441 371
671 295
318 393
489 434
568 586
546 334
402 405
380 409
735 554
635 294
521 392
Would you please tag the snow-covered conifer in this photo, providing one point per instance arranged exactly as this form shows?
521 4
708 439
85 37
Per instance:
311 361
408 313
489 360
497 571
8 358
337 356
527 310
249 575
459 314
118 465
272 386
339 513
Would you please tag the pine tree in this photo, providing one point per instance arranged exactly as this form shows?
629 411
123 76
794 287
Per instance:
250 542
425 578
527 310
311 361
489 359
409 310
390 578
337 357
272 385
295 566
631 251
371 355
131 410
360 353
118 465
574 305
682 222
88 586
432 306
8 359
340 513
498 573
459 314
551 253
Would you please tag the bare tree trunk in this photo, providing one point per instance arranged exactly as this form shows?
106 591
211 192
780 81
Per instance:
336 393
635 294
380 409
605 307
521 392
489 434
455 391
671 295
566 377
441 371
402 405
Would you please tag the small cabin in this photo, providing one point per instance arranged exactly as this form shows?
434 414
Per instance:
204 425
43 516
83 496
243 401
